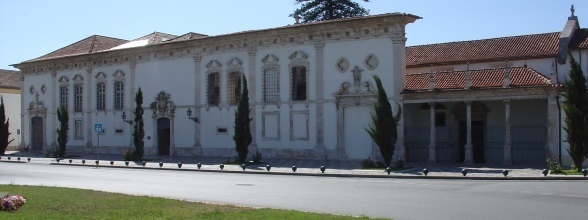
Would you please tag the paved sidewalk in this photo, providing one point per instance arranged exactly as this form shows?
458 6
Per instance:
341 168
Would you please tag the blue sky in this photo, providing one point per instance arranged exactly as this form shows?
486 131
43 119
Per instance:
32 28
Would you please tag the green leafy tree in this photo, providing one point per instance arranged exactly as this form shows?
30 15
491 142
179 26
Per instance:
576 109
138 130
63 117
321 10
242 136
4 132
383 128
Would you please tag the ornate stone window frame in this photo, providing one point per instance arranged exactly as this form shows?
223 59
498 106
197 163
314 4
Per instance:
64 91
298 59
270 63
78 93
263 128
100 91
214 67
234 75
119 90
307 121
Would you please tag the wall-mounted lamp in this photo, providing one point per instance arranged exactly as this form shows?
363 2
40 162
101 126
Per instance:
189 112
124 116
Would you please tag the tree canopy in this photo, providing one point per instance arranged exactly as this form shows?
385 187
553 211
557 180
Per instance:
321 10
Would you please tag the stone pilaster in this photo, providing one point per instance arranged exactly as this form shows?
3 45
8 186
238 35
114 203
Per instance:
54 93
88 108
252 56
553 125
197 104
319 148
398 79
22 114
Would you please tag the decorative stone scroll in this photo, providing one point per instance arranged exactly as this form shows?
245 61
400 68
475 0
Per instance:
37 108
371 62
163 107
342 64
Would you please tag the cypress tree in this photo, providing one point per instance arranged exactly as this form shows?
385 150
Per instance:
4 125
383 128
242 136
138 130
576 110
63 117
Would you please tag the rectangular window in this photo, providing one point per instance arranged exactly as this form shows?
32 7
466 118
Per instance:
78 92
79 127
213 89
101 96
63 96
234 89
118 95
270 85
298 83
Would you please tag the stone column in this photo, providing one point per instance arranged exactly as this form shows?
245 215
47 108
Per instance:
252 56
319 148
197 104
433 136
507 148
172 143
468 147
54 93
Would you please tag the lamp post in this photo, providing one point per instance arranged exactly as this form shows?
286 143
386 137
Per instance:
124 116
189 112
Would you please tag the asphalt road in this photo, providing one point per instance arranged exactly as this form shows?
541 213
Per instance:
395 198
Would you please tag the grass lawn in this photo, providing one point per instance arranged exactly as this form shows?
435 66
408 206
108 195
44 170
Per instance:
67 203
568 172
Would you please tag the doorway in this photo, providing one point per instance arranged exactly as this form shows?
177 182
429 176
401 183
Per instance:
37 133
477 141
163 136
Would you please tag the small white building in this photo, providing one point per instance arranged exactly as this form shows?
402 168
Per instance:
311 89
10 92
491 100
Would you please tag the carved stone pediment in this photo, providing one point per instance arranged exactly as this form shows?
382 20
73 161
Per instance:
361 93
37 108
163 106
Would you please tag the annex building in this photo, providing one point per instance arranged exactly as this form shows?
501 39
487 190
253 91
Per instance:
311 92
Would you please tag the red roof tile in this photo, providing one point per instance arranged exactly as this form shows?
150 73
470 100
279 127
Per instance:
156 37
580 39
88 45
188 36
9 79
481 79
495 49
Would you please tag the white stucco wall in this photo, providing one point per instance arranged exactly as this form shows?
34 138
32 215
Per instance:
12 110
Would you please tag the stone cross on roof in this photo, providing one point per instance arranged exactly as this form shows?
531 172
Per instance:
572 10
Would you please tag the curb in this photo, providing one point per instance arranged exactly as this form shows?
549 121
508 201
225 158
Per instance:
551 177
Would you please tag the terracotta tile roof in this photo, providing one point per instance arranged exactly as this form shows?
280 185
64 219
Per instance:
88 45
481 79
580 39
188 36
156 37
9 79
495 49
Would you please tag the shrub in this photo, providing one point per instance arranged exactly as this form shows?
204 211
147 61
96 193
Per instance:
368 163
129 155
257 157
554 166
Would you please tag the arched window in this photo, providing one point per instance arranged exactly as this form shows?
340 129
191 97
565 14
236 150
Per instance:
63 91
78 93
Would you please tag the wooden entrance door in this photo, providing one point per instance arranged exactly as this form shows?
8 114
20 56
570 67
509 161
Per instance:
37 133
477 141
163 136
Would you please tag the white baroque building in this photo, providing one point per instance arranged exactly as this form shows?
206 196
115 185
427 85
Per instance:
311 89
